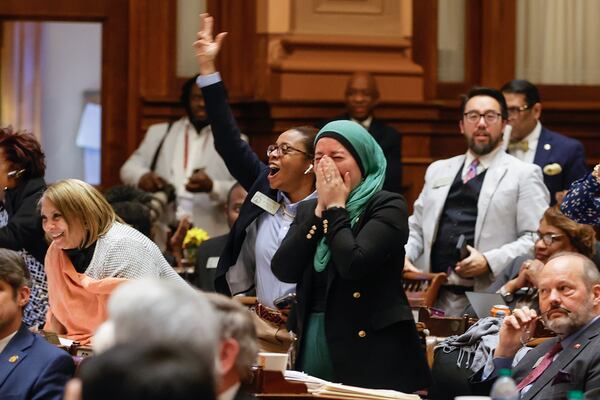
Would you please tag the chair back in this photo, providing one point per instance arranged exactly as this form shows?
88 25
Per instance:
422 288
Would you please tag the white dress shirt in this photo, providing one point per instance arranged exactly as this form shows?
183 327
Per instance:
532 141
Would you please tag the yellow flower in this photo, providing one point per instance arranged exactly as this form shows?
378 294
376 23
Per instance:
194 237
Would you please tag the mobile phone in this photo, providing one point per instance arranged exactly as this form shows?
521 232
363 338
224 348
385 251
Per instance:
461 247
285 301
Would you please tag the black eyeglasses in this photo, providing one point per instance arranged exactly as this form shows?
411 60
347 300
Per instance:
514 111
547 238
490 117
283 149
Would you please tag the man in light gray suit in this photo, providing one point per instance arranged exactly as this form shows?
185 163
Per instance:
491 198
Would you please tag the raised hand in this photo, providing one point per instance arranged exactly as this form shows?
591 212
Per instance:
516 330
206 48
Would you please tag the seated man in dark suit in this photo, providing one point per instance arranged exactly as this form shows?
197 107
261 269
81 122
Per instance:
361 99
561 158
569 299
30 367
210 250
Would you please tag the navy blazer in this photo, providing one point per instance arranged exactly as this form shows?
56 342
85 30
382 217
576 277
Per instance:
245 166
390 141
567 152
32 368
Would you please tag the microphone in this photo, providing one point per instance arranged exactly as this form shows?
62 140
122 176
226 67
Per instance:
310 167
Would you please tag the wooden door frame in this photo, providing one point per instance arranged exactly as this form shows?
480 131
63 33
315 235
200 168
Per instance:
119 103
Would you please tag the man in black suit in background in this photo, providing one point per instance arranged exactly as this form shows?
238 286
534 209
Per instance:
362 96
210 250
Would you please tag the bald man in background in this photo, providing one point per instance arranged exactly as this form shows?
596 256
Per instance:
361 97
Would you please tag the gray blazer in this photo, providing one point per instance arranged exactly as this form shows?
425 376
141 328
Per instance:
576 367
512 200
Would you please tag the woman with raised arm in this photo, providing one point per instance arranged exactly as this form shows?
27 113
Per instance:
345 251
274 190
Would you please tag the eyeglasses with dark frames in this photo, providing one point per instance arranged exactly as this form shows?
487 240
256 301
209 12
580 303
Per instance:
490 117
547 238
283 149
514 111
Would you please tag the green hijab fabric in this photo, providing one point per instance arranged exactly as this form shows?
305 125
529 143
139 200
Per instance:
372 164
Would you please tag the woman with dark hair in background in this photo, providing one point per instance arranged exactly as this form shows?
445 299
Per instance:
345 250
556 233
22 169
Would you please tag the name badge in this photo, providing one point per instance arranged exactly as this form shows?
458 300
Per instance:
212 262
442 182
266 203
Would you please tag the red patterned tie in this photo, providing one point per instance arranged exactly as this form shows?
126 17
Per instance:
472 171
539 370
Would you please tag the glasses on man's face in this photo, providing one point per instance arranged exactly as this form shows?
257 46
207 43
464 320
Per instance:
515 111
283 149
547 238
490 117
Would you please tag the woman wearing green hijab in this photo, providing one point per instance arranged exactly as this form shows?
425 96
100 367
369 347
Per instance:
345 251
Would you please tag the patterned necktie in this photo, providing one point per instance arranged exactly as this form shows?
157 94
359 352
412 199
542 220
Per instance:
472 171
523 145
539 370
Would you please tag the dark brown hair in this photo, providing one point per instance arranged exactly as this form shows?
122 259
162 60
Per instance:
309 133
582 236
23 151
13 270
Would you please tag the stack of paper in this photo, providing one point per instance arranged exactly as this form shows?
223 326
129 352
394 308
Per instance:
312 383
321 388
338 391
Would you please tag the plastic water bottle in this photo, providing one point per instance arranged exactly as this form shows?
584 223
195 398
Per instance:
575 395
504 388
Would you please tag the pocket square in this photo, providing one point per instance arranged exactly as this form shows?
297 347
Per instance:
562 376
552 169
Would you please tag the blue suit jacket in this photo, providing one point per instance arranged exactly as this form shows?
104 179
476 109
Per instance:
32 368
567 152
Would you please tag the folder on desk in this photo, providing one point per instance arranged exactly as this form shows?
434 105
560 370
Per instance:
338 391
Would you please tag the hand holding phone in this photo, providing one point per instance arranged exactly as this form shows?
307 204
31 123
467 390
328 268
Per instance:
461 246
285 301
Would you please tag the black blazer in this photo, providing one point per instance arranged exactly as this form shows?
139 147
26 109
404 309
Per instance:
575 368
24 228
204 278
371 333
390 141
245 166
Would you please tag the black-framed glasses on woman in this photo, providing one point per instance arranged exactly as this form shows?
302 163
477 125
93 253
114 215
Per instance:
490 116
547 238
283 149
514 111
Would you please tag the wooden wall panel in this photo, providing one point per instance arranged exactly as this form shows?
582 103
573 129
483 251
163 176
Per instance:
116 91
157 48
429 129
